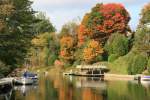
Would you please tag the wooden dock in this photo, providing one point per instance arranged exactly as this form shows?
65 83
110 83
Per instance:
6 82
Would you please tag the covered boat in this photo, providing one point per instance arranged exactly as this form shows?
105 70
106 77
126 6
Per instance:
145 78
30 75
23 81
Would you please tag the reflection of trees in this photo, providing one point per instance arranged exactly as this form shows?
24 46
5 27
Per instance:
89 94
121 90
138 92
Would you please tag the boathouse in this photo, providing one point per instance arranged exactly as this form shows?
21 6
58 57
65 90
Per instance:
91 70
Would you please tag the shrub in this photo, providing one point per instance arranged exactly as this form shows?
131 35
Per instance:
112 57
4 70
148 65
117 44
137 64
77 62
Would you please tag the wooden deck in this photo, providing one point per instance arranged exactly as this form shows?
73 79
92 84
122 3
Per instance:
90 75
6 81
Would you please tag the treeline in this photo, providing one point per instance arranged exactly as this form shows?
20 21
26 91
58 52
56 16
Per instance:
28 38
102 36
19 24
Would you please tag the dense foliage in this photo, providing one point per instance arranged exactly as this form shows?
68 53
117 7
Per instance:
137 64
116 46
16 24
67 48
103 20
145 15
43 24
45 50
92 50
26 37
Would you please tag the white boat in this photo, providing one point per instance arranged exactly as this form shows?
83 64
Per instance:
23 81
145 78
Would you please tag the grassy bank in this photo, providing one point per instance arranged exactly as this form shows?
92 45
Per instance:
49 70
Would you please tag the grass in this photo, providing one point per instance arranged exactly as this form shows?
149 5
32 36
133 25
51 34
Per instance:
119 66
51 70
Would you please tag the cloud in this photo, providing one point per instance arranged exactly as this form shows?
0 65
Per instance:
81 2
61 11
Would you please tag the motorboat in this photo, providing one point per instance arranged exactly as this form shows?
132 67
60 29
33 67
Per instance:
30 75
145 78
23 81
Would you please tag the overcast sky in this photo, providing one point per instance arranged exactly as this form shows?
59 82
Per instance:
62 11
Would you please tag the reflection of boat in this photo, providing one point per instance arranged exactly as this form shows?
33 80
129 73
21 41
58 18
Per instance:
23 81
5 93
25 88
145 83
6 96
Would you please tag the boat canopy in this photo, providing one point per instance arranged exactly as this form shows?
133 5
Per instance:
29 74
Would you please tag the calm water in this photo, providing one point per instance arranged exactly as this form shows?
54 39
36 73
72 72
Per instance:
71 88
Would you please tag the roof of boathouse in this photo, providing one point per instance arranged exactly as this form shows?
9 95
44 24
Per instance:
91 67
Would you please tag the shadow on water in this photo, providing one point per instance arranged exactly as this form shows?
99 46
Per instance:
5 93
80 88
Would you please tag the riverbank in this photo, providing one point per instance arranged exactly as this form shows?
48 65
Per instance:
118 77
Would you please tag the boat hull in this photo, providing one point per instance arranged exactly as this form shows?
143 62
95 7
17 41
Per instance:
23 81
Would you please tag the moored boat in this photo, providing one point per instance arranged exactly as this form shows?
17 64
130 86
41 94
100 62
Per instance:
23 81
145 78
30 75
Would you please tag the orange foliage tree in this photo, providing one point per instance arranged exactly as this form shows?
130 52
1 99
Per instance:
66 48
145 15
103 20
91 51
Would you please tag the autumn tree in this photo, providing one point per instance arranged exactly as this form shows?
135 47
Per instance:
45 49
103 20
67 48
92 50
145 15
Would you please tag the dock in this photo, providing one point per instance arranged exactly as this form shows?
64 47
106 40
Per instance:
88 71
6 82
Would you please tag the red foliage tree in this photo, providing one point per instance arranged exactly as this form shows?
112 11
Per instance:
103 20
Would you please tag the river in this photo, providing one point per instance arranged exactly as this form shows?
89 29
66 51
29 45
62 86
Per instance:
79 88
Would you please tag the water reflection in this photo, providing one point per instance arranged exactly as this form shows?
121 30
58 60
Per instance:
81 88
5 93
24 89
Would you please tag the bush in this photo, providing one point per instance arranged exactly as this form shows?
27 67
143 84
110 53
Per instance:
117 44
148 65
77 62
112 57
52 59
137 64
99 58
4 70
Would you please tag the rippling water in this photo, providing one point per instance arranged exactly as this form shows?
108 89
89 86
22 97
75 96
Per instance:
79 88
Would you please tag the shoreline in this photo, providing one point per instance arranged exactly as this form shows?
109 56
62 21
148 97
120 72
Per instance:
119 77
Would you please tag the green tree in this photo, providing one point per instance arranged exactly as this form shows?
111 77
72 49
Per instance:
148 65
16 31
117 44
43 25
45 49
137 64
145 15
142 40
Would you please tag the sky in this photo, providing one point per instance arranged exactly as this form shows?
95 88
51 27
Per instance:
63 11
